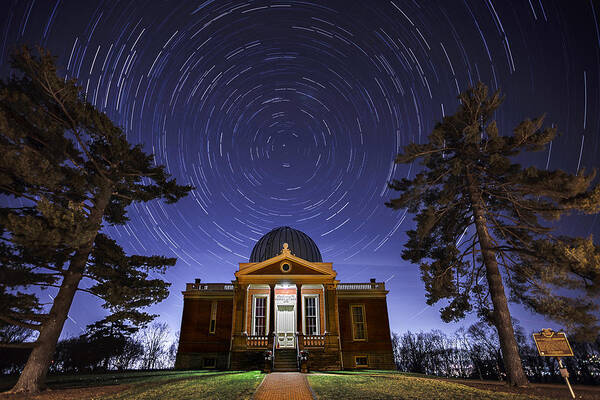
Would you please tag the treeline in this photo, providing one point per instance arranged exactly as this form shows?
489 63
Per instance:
100 348
474 353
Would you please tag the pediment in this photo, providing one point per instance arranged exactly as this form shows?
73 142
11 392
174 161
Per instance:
298 266
295 269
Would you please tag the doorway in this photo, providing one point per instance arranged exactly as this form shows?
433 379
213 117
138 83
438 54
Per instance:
286 326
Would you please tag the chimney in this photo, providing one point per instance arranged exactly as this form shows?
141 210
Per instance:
197 283
372 280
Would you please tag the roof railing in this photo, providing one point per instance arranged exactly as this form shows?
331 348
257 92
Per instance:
227 287
361 286
209 287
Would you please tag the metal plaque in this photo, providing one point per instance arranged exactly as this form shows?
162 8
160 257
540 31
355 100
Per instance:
552 344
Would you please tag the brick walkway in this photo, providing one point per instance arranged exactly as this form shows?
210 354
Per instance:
284 386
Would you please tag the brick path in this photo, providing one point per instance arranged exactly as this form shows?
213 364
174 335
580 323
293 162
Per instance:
284 386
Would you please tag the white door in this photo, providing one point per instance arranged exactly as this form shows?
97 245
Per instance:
285 326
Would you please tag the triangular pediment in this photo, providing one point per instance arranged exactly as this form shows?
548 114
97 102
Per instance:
297 266
293 269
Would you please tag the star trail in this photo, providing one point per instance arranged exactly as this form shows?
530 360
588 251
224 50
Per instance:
291 112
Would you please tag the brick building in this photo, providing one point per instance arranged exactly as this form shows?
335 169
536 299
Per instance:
285 300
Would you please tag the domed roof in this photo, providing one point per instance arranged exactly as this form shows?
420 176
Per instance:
300 244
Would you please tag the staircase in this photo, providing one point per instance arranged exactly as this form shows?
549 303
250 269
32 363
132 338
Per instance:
285 361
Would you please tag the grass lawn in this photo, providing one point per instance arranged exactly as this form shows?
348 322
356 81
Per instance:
209 385
61 381
137 385
367 385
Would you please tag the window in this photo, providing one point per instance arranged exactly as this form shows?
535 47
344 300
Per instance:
361 361
310 314
210 363
213 317
359 325
260 315
286 267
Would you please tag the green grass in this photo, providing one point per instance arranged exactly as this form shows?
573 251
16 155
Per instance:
206 385
148 385
338 385
61 381
370 385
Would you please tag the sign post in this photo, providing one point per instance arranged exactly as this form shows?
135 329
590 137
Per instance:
555 344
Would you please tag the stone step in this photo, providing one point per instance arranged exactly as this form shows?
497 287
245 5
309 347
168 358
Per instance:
285 358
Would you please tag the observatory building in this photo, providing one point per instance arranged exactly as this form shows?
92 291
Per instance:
285 305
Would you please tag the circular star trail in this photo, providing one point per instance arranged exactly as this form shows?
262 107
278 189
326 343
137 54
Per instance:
291 112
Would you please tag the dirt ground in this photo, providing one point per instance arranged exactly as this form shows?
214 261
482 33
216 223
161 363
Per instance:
553 391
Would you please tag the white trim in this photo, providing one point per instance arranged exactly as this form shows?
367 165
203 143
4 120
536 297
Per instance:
312 286
325 311
268 312
254 297
258 286
285 285
317 311
245 308
268 322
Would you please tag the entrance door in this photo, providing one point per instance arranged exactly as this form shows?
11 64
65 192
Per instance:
285 326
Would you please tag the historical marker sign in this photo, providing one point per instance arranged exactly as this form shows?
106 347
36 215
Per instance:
552 344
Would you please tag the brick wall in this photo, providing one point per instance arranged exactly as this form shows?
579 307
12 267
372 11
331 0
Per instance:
195 341
378 344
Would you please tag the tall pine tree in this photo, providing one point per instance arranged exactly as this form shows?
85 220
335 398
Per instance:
68 170
483 222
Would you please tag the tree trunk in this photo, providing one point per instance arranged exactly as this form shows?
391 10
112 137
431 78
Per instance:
33 377
501 315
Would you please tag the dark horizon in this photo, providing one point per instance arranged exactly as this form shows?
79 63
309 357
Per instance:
291 113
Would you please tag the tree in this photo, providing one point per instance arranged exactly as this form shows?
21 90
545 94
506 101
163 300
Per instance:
485 351
104 346
155 341
109 339
413 353
75 355
68 169
396 350
463 361
172 352
14 334
475 353
480 214
130 354
14 355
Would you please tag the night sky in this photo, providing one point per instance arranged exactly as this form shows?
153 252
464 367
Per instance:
291 112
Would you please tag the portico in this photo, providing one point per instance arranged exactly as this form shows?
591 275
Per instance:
284 305
298 310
